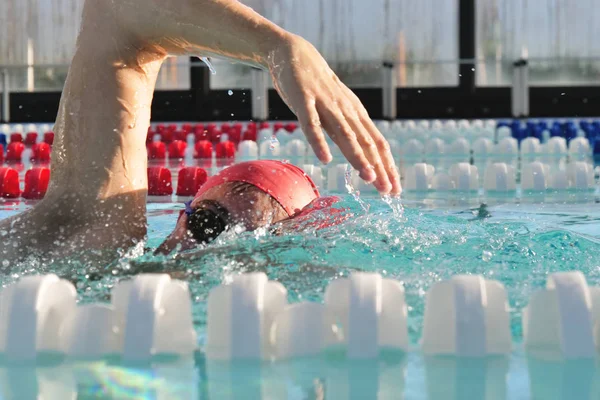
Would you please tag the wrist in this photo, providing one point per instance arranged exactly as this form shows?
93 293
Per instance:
276 41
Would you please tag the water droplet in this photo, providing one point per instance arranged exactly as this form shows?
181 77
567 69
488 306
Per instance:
274 142
486 255
355 193
230 92
395 205
5 263
206 61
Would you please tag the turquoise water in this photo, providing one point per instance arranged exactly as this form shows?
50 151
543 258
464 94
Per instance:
517 244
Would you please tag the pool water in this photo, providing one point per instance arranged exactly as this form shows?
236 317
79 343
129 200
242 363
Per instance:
419 245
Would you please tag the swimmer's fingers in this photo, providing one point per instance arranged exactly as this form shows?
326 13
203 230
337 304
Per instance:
375 145
310 123
388 166
346 138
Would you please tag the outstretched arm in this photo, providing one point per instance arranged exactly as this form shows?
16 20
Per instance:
96 197
302 77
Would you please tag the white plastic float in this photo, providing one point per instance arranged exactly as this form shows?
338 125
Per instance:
563 319
450 125
581 175
465 177
370 312
31 314
535 176
270 149
499 177
264 135
295 148
155 315
149 315
250 319
437 125
482 148
395 147
247 150
316 174
383 126
336 178
507 149
298 134
418 177
240 315
555 148
435 148
579 148
466 316
503 132
412 149
283 136
460 147
303 329
91 331
530 147
442 182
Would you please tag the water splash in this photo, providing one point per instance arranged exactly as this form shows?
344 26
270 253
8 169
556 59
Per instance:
274 142
395 204
352 191
206 61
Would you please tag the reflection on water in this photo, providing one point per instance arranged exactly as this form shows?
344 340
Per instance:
393 376
515 244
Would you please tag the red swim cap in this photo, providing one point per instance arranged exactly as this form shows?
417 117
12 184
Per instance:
286 183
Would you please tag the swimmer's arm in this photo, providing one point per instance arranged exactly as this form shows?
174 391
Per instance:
302 77
224 28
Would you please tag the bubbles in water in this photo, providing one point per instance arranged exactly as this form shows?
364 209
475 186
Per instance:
206 61
486 255
5 263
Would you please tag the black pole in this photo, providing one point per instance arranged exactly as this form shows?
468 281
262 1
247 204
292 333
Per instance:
466 44
199 86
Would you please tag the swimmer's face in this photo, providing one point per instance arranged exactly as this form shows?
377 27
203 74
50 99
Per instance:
247 206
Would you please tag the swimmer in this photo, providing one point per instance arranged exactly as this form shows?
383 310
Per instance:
96 200
251 195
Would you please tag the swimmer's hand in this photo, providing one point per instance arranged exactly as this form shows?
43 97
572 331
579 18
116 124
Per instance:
321 101
227 28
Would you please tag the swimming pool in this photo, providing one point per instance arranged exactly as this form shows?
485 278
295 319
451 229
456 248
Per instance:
515 239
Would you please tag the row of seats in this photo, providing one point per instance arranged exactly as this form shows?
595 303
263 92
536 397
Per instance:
384 126
30 139
480 149
422 143
16 152
35 183
414 148
498 177
365 314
